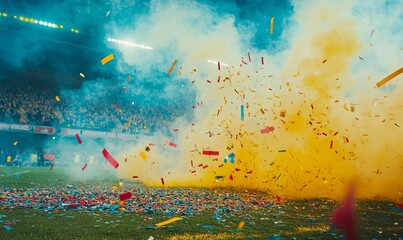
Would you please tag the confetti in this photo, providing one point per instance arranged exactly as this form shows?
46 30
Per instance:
84 167
210 153
324 61
15 143
230 158
51 166
241 224
174 219
172 67
82 75
110 159
271 25
125 196
242 113
282 150
107 13
143 156
78 139
107 59
219 67
390 77
172 144
249 57
57 98
267 130
162 181
262 61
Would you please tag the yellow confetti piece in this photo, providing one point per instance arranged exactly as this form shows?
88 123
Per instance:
127 124
390 77
8 159
129 78
174 219
172 67
107 59
15 143
143 156
271 25
241 224
57 98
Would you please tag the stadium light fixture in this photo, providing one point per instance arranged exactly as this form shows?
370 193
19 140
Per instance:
127 43
40 22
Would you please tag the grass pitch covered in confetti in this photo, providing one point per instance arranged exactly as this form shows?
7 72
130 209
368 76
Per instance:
38 204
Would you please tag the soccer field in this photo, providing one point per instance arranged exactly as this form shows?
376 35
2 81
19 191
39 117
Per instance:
292 219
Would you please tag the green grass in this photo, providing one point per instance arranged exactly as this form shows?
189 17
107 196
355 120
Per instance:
302 219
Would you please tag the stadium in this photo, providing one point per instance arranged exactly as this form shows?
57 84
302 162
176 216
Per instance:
196 119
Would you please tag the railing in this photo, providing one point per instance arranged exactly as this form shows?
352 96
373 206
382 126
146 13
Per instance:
35 129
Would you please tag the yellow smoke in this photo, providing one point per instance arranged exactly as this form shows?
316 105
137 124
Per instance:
321 138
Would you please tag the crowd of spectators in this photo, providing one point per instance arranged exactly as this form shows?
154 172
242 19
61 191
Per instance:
26 105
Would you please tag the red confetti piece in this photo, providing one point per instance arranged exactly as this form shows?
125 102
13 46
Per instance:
72 206
262 61
237 169
191 163
78 139
221 165
210 153
331 144
175 130
335 133
135 176
125 196
278 198
219 67
400 205
9 223
249 57
249 172
204 167
172 144
124 89
110 159
231 177
324 61
84 167
267 130
193 171
151 144
201 164
208 81
218 80
162 181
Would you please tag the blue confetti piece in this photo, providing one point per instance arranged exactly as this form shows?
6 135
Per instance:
8 228
242 113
